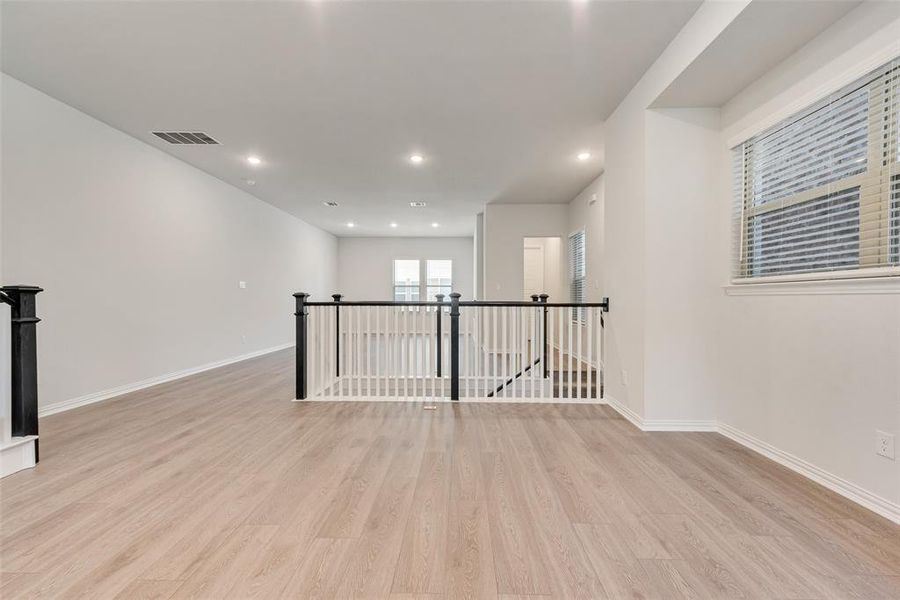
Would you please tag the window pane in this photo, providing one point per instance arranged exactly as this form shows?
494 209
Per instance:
406 272
434 290
818 235
828 144
810 192
440 273
894 221
577 270
406 293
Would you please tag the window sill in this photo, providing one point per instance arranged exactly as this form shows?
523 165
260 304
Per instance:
845 286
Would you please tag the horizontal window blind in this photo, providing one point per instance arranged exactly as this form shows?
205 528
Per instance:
577 272
819 191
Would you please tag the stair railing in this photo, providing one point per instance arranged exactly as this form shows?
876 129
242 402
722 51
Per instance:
23 360
491 349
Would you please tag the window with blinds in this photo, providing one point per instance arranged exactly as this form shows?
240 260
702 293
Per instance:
820 191
577 273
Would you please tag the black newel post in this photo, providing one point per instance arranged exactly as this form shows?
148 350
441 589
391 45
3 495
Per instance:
546 347
337 334
24 405
440 340
454 346
301 313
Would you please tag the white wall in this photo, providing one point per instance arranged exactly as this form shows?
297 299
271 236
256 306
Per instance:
505 228
625 179
682 284
365 265
140 254
813 375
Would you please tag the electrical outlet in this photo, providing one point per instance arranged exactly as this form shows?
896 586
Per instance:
242 285
884 444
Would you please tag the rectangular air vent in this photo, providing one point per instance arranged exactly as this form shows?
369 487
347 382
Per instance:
417 204
185 137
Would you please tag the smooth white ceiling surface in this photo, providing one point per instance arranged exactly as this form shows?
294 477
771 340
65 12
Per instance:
764 34
334 96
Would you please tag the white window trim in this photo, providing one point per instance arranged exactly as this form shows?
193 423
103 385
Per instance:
879 281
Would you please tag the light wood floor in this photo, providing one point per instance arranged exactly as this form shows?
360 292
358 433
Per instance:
218 486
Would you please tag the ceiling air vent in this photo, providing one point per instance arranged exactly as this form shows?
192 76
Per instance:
417 204
184 137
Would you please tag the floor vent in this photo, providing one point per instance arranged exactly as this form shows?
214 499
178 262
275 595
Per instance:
184 137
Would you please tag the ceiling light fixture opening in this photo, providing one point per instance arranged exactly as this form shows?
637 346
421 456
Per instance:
435 225
351 224
416 159
254 160
393 225
582 156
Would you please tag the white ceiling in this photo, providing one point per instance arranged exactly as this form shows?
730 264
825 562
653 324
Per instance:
762 35
334 96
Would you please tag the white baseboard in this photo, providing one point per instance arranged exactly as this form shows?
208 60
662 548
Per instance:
17 454
851 491
679 425
882 506
661 424
145 383
634 418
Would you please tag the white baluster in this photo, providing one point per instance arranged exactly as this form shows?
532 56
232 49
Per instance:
466 314
590 351
483 348
580 360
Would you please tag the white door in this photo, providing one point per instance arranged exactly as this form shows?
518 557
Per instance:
534 271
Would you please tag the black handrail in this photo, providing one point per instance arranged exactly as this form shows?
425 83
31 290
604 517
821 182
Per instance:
538 301
463 303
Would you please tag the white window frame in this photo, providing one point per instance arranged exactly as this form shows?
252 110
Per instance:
880 172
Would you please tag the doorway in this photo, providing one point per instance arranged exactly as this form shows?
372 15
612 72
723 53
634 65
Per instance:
542 267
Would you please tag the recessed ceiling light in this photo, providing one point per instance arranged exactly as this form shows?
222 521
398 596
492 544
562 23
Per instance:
351 224
417 204
330 203
254 160
250 182
416 159
393 224
584 155
435 225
